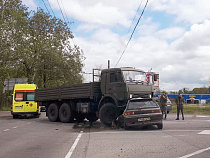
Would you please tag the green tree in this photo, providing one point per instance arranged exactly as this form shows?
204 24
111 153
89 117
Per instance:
37 46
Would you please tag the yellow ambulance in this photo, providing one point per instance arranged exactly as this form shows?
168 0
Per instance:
23 101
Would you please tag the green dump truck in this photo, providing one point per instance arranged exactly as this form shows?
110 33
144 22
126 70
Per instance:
105 99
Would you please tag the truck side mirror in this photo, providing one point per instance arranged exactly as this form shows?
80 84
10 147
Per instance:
155 77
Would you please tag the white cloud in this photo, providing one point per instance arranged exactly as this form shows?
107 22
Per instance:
168 68
181 56
170 33
192 11
198 35
103 12
30 3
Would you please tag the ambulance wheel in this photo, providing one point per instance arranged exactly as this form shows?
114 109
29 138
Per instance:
52 112
36 115
15 116
65 113
107 114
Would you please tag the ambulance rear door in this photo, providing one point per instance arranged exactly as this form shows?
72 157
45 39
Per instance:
18 102
30 104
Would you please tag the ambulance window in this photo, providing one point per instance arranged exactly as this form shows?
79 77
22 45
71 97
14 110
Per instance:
18 96
30 96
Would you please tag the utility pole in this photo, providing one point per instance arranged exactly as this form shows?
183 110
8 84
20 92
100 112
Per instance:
108 64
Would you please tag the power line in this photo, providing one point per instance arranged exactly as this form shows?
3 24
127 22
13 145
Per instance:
132 32
51 8
61 12
64 12
45 6
130 27
65 19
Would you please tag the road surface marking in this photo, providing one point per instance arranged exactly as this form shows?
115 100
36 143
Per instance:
74 145
195 153
205 132
6 130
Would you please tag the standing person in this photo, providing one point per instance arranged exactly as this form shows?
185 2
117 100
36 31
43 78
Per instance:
179 102
163 106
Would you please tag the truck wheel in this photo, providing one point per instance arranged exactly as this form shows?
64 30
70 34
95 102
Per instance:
92 117
53 112
79 117
107 114
65 113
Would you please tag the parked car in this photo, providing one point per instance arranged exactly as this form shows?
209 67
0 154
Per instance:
169 105
141 112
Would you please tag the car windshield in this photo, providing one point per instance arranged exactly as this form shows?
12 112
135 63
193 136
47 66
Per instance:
138 104
134 76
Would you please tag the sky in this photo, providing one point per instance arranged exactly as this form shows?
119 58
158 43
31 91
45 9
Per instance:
172 37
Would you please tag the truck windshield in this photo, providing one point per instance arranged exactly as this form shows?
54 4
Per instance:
134 76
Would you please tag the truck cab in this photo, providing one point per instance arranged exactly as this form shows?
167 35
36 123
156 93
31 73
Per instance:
23 101
118 85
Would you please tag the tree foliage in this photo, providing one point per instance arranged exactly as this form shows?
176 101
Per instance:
37 46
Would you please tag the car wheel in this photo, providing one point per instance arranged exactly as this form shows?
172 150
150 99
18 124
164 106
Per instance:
160 126
65 113
126 127
107 114
53 112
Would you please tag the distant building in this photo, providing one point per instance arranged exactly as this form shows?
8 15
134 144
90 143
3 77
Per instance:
190 98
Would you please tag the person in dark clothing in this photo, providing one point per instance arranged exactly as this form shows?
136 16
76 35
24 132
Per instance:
179 102
163 105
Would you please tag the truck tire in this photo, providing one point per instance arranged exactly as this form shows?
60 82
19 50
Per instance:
107 114
92 117
65 113
52 112
79 117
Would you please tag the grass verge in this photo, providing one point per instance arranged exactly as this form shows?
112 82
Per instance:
193 108
6 109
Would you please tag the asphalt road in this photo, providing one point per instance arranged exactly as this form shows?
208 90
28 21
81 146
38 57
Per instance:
39 138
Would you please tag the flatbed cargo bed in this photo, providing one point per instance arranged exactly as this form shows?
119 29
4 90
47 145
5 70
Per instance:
78 91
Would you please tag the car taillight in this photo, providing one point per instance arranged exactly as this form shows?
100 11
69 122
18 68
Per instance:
129 113
11 105
37 105
156 111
